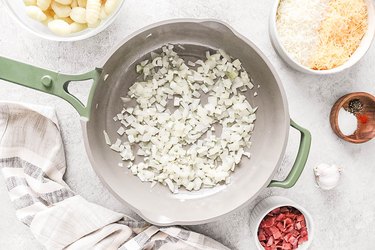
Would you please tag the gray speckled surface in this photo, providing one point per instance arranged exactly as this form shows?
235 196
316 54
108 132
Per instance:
343 217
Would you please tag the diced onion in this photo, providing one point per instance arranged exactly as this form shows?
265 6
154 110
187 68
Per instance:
180 146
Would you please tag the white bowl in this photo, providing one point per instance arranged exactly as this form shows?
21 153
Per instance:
18 11
269 204
357 55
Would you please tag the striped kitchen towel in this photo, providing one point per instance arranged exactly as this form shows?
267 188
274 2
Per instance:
32 162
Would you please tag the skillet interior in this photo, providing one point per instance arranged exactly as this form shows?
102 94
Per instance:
158 205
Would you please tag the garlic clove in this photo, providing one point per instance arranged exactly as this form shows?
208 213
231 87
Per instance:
327 176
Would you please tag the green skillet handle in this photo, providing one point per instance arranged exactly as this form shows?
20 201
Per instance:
299 164
48 81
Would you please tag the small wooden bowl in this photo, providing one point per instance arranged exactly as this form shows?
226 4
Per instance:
365 131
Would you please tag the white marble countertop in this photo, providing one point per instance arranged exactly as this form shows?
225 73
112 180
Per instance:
343 217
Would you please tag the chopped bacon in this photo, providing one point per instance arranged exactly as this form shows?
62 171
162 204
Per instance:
303 232
289 229
287 237
284 209
287 246
267 231
280 226
303 239
270 241
271 248
275 232
283 228
276 211
293 240
269 222
290 215
300 218
280 217
261 235
288 222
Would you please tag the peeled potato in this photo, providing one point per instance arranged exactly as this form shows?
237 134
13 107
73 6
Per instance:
67 19
78 14
43 4
29 2
59 27
111 5
77 27
82 3
35 13
64 2
61 10
94 25
48 19
103 13
74 4
93 11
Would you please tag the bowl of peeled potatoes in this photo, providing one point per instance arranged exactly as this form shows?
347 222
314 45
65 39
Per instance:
64 20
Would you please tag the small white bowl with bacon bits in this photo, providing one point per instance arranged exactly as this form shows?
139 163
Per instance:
322 36
279 223
64 20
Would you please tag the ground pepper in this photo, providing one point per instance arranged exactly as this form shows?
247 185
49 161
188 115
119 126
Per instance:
355 106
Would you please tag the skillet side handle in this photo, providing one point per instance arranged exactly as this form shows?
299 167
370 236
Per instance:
49 81
300 162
